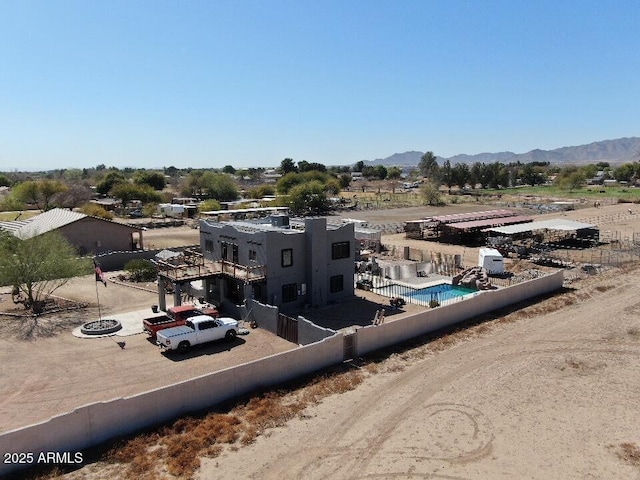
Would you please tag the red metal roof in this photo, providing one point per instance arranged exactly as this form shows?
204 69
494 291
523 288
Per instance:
494 222
467 217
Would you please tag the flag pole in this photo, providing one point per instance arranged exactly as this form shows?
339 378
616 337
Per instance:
98 298
99 276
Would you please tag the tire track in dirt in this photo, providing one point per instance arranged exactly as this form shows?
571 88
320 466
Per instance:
352 459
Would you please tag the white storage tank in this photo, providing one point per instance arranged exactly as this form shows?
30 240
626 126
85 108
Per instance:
491 260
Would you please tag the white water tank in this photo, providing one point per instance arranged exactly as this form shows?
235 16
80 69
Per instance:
491 260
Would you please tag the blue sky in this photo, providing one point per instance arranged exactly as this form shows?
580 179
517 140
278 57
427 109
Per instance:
210 83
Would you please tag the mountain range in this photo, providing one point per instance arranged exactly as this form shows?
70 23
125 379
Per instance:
617 151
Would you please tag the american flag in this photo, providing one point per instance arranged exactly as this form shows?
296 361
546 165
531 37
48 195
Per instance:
99 274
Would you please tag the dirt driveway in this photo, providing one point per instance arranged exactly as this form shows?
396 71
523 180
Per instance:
47 371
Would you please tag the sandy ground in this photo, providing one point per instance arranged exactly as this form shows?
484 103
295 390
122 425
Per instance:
541 396
612 219
47 371
548 396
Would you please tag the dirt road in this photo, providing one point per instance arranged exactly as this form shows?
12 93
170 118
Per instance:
547 396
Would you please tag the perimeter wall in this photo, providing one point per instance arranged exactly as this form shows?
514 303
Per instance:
375 337
95 423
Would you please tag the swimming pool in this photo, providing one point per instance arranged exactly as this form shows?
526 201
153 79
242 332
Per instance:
440 293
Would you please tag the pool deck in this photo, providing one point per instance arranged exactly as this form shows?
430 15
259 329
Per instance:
423 282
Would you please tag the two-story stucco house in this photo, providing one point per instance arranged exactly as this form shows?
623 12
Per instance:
272 262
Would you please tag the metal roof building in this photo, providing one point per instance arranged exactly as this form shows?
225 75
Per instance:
462 227
88 234
471 216
551 224
492 222
43 223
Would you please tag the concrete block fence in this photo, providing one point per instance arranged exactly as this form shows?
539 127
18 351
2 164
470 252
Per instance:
375 337
95 423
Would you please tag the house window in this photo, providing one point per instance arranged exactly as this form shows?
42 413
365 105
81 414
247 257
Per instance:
336 283
208 245
287 257
340 250
289 292
252 255
229 250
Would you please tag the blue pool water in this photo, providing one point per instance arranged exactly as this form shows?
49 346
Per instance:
440 292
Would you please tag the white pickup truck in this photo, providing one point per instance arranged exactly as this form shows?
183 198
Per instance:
197 330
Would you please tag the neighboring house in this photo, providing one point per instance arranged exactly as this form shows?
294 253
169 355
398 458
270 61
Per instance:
109 204
270 176
597 179
88 234
271 262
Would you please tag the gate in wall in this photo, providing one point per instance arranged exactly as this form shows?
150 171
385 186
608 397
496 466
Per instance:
288 328
349 347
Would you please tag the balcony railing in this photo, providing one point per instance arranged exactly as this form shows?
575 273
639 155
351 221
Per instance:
192 265
242 272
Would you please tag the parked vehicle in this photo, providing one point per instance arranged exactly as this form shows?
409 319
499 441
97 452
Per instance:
197 330
174 317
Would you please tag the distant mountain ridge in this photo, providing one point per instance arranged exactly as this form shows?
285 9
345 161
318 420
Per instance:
621 150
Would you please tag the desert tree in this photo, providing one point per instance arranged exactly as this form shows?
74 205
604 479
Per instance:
126 192
430 194
36 267
394 173
95 210
4 180
309 198
446 175
208 206
219 186
428 166
570 178
109 181
461 175
74 196
38 192
287 165
156 180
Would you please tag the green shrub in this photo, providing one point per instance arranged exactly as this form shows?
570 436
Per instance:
140 270
95 210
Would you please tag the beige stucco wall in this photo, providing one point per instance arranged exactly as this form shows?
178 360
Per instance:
96 236
92 424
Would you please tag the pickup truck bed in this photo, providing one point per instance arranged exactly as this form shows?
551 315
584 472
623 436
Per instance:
174 317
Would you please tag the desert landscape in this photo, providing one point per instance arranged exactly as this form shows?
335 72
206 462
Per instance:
545 390
419 343
528 394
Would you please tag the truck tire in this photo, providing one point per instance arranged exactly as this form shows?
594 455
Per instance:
230 336
183 347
